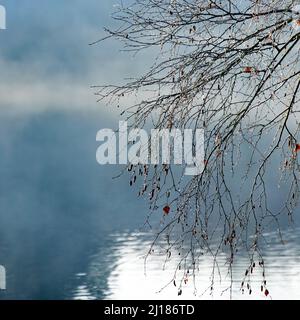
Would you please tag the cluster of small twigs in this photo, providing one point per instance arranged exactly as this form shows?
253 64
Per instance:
232 68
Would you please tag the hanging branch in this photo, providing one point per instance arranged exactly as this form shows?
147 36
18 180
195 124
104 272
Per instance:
232 68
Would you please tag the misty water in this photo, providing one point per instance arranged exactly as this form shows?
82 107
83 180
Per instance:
69 231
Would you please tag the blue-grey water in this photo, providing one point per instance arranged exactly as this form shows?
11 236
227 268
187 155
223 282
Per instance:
69 231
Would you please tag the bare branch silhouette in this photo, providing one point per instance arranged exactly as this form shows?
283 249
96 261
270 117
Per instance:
232 68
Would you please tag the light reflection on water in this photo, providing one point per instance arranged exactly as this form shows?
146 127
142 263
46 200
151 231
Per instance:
126 278
59 212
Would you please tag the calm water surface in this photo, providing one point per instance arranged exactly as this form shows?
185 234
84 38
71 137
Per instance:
126 278
68 231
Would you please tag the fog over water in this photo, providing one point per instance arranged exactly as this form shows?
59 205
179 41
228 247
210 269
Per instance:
57 204
68 230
